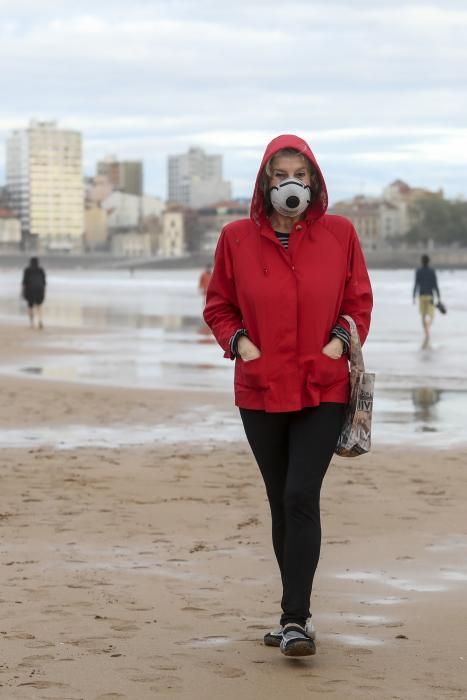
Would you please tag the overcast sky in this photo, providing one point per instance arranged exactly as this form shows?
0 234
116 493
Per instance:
378 89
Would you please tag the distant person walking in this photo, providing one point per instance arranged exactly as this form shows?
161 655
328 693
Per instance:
204 280
426 285
33 290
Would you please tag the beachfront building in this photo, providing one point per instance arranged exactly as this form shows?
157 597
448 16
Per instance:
96 189
403 197
10 230
377 219
123 175
211 220
96 230
132 244
373 218
44 180
134 224
172 237
195 179
128 211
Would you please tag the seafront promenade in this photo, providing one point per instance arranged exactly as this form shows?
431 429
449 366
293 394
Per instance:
382 258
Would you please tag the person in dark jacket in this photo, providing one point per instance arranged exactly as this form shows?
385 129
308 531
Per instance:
426 286
33 290
282 280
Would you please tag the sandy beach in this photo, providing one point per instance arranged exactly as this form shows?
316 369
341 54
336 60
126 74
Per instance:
146 571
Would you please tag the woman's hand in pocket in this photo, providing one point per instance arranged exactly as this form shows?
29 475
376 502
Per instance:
247 350
334 349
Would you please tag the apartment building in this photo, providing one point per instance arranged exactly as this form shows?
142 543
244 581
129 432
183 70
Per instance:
195 179
44 180
123 175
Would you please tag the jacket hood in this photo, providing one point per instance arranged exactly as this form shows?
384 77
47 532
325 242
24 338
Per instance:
320 204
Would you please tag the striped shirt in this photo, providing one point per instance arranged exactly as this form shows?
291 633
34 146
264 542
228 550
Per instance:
283 238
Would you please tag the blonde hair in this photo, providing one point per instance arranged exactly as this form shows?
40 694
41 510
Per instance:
287 152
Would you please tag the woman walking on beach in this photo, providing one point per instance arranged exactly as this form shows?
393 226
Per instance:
33 290
281 282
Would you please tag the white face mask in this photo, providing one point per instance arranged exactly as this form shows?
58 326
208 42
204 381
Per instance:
291 197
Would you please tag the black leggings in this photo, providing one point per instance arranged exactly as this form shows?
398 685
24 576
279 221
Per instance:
293 451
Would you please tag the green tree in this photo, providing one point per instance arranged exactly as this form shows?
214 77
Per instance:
440 220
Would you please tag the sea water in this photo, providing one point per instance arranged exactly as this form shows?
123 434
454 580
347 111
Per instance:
145 329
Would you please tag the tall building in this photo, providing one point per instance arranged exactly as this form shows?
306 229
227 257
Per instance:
123 175
195 179
44 179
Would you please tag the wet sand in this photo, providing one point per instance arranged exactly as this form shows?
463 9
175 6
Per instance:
147 571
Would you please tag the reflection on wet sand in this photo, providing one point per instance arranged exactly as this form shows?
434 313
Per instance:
425 399
431 416
109 317
199 426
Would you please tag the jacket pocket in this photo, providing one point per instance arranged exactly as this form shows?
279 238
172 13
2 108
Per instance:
251 373
325 371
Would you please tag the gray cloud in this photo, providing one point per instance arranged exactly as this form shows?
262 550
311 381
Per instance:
377 89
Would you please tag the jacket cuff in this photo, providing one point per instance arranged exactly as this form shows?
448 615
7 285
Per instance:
234 342
343 334
343 323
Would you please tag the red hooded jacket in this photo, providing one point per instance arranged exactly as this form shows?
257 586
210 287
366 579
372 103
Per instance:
288 300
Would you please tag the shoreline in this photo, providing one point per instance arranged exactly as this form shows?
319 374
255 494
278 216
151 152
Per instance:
383 259
130 423
27 361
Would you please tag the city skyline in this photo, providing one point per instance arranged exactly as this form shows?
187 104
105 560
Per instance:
377 91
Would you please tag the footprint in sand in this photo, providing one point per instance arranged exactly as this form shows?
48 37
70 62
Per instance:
358 650
110 696
99 645
225 671
166 682
124 626
40 644
335 681
18 634
167 667
41 685
31 661
251 521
